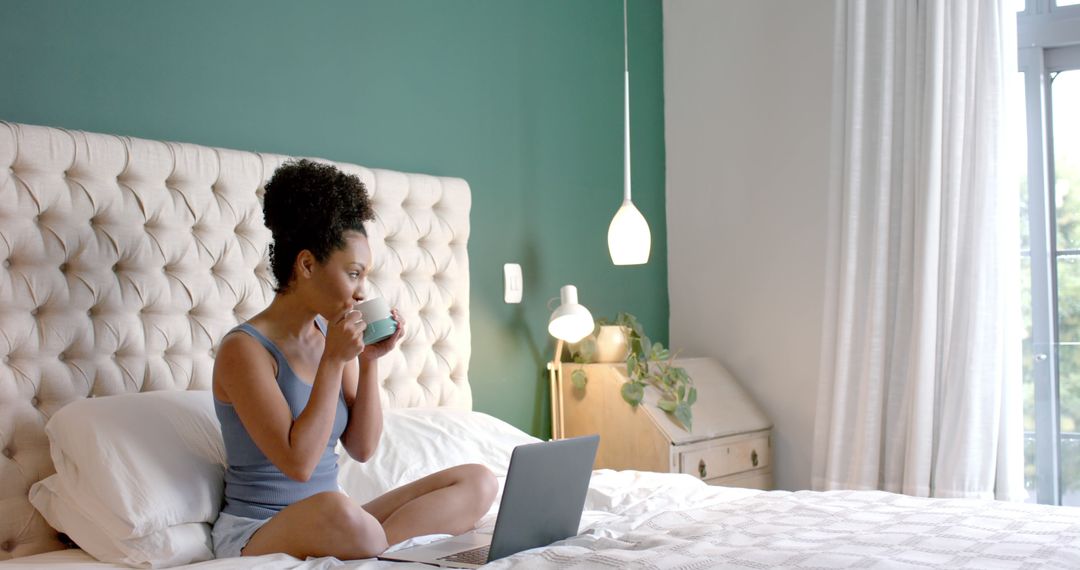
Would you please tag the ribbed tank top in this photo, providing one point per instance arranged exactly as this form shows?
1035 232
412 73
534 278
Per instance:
254 486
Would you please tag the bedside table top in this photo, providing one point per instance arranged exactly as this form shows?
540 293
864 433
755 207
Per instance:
723 406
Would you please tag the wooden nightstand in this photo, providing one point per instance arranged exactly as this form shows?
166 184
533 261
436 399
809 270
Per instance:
730 444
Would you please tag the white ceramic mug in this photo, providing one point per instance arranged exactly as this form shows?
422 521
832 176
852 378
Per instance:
376 313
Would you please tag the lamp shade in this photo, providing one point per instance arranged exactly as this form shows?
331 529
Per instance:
628 236
570 321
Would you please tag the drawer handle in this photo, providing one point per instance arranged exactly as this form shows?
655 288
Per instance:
701 468
753 457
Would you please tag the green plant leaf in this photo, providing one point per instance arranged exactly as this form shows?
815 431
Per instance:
622 321
681 390
683 414
630 321
587 348
691 397
667 405
579 378
632 392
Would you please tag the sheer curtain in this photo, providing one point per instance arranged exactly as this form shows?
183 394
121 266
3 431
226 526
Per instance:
920 377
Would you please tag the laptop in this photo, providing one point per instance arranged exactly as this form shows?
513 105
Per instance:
541 503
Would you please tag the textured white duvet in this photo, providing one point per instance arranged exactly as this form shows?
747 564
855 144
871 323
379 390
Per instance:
649 520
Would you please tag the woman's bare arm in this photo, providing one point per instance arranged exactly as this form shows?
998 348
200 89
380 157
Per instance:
247 378
361 385
361 436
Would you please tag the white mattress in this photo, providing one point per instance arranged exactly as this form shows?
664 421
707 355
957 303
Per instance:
638 519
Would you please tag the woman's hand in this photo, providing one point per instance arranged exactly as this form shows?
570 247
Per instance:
345 336
379 349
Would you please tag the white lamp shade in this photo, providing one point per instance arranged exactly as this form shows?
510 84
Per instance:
570 321
628 236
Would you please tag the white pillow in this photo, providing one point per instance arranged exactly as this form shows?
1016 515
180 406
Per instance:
172 546
420 441
131 467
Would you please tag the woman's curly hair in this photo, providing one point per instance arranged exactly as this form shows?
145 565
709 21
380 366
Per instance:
310 205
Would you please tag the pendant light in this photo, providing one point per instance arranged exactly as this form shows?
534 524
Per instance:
628 235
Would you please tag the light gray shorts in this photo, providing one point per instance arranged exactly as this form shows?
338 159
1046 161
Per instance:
232 533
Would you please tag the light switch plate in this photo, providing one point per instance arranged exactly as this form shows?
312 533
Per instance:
512 284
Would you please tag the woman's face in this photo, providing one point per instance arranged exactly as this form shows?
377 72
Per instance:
340 281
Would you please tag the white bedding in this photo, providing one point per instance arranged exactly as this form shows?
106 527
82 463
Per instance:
651 520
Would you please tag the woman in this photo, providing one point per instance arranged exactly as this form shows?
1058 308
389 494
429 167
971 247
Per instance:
297 377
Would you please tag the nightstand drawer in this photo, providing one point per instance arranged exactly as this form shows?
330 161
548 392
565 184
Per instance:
726 458
756 479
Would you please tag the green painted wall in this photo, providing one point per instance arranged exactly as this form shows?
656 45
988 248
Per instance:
521 98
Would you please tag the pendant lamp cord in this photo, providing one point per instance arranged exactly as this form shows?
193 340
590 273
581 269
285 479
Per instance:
626 117
626 57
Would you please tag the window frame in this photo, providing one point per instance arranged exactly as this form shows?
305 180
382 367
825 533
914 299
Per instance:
1048 38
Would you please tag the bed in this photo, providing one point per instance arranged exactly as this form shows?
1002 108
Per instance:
125 261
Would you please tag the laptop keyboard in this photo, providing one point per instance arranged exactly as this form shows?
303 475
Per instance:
475 556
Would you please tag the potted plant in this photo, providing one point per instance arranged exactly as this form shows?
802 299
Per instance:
647 364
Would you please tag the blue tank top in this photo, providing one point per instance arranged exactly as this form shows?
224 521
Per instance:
254 486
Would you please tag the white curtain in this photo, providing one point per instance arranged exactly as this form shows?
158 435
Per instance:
920 378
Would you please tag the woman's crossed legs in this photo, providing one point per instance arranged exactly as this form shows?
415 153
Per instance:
331 524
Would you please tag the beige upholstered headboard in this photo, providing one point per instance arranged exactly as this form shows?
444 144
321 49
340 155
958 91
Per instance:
123 261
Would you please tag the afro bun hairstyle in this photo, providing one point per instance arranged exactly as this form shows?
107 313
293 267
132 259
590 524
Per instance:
310 205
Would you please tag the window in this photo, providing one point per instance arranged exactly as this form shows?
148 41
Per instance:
1049 57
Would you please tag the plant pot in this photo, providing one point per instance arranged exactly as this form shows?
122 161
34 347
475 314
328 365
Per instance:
612 344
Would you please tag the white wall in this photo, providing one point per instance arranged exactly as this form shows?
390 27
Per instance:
747 103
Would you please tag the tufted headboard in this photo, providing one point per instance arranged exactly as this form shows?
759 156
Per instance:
125 260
